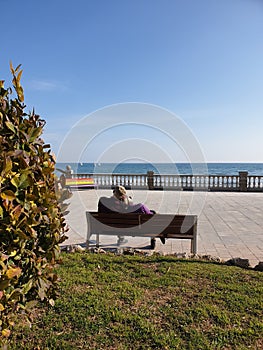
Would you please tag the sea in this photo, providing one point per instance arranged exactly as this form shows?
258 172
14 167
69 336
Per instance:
164 168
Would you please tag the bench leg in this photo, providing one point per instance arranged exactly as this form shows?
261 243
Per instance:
97 240
87 240
194 245
87 244
153 243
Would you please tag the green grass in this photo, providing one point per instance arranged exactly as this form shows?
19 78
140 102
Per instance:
132 302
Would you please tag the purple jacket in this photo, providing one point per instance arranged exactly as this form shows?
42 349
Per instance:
113 205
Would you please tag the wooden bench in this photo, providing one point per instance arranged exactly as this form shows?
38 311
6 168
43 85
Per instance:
143 225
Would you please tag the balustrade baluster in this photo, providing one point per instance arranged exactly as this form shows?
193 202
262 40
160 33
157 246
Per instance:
241 182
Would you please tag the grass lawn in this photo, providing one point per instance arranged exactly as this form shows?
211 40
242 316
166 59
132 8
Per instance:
133 302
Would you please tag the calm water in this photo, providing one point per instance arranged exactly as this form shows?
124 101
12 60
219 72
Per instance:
165 168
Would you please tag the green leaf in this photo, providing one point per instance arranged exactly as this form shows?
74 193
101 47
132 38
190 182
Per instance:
21 235
30 305
16 294
11 126
18 67
4 284
26 287
25 180
35 133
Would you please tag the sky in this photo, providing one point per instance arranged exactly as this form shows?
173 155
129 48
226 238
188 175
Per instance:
134 76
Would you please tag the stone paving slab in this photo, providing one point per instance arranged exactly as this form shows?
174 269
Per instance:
230 224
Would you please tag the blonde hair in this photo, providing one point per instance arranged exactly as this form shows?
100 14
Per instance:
119 192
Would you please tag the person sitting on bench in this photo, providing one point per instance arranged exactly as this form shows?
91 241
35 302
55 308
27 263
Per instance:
120 202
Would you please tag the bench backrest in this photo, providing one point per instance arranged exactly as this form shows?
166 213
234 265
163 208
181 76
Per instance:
134 223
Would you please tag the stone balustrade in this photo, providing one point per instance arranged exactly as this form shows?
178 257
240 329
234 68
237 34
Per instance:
151 181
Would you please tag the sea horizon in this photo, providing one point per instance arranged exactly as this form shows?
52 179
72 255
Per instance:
182 168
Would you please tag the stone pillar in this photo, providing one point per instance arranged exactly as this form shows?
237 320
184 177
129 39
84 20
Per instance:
150 180
243 181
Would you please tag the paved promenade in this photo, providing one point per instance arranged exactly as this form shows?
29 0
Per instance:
229 224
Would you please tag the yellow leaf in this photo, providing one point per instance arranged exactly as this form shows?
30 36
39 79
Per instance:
1 307
8 195
13 272
20 93
7 165
19 75
6 332
15 181
13 253
11 67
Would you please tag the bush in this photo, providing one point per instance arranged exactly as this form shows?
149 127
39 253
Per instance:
31 210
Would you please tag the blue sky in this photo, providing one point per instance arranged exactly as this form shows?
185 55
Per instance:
199 59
